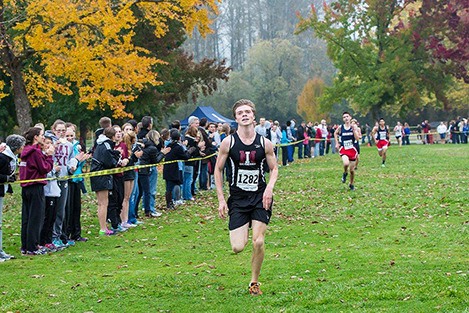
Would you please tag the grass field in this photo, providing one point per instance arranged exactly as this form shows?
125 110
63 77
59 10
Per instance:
398 243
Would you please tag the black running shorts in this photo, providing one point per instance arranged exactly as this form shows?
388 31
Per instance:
241 214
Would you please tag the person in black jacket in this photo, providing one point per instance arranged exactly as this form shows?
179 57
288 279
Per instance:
104 157
171 173
151 155
8 158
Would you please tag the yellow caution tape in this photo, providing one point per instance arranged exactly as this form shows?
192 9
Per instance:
110 171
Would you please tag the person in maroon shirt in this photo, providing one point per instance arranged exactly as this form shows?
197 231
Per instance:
34 165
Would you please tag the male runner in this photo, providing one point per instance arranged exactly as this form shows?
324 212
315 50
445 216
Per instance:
250 201
345 145
380 135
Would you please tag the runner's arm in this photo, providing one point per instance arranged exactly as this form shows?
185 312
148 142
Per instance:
272 163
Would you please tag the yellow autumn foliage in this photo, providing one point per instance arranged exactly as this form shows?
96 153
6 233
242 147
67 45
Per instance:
308 105
86 45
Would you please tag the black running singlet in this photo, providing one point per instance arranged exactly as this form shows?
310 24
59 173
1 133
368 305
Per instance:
347 138
382 134
247 162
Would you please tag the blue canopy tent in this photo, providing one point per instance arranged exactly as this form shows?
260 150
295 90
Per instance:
210 114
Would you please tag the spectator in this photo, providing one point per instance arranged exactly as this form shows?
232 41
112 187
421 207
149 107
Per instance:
151 155
300 135
13 146
406 136
263 127
441 130
104 157
171 173
317 140
34 165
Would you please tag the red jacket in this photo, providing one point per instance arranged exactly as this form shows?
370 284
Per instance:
318 135
34 164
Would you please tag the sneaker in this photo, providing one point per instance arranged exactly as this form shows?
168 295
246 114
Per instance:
352 187
179 202
121 228
70 242
40 251
106 232
50 247
153 214
128 225
254 289
59 244
5 256
81 239
382 165
344 177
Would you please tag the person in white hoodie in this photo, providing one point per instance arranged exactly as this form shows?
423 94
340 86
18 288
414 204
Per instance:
62 157
8 159
52 193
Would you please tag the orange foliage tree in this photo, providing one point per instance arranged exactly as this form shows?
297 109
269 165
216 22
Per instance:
85 46
308 105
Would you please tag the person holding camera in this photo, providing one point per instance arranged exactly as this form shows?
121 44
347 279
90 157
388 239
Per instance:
8 157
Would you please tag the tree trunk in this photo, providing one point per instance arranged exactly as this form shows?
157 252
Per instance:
20 97
13 66
83 133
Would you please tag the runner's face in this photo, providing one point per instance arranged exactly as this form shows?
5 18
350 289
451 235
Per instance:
346 118
381 123
244 115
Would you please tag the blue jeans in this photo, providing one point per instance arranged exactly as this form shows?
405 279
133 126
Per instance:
187 182
203 176
290 150
153 187
300 150
333 145
133 202
317 147
146 193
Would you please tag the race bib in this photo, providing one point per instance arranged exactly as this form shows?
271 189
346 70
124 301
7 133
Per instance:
247 180
348 144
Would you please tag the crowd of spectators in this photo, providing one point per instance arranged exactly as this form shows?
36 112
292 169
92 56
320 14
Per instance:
51 208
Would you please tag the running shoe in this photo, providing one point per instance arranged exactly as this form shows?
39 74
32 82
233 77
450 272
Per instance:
352 187
5 256
106 232
153 214
50 247
254 289
59 244
344 177
40 251
128 225
120 228
81 239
